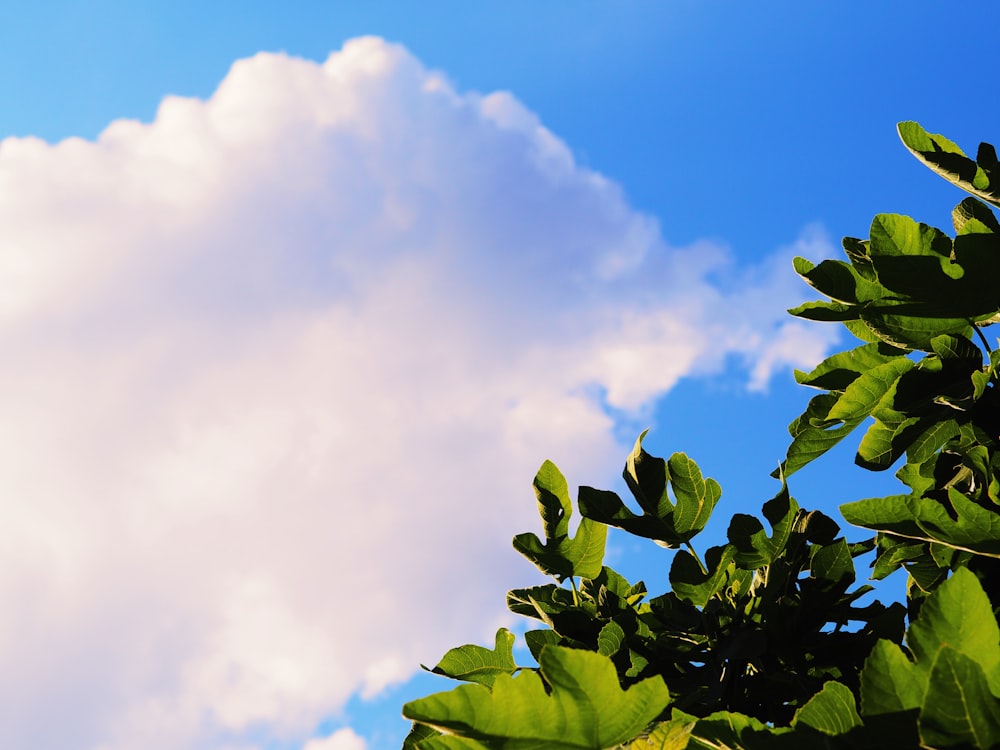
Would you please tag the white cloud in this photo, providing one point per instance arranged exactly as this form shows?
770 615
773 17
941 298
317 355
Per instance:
342 739
277 370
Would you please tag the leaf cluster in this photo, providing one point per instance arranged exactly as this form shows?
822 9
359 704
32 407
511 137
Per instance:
767 641
923 387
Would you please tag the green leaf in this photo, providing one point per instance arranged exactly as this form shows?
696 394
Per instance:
953 682
417 735
754 548
911 326
949 161
825 311
831 711
477 664
449 742
931 440
973 216
890 682
837 280
696 496
538 639
560 555
586 707
973 529
813 434
694 585
951 347
667 735
610 639
833 562
894 235
648 478
840 370
605 507
724 730
893 551
865 393
959 708
883 443
959 615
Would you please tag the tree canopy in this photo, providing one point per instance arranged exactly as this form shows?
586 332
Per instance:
765 642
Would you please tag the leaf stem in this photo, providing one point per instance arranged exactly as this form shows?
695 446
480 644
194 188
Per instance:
696 558
982 338
576 594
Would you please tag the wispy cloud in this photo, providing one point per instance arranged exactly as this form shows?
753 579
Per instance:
277 369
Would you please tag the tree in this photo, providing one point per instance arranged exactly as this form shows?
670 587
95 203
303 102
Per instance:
762 642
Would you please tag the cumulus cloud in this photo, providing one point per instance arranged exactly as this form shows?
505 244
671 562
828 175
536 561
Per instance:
342 739
277 370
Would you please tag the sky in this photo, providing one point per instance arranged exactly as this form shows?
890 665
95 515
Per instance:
296 300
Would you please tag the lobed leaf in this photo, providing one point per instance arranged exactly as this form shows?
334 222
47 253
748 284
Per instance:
560 555
477 664
973 528
585 709
693 584
754 548
696 496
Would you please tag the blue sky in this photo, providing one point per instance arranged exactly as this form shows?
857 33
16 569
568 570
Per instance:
285 339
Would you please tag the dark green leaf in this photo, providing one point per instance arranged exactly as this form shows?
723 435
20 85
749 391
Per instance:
647 477
949 161
930 440
837 280
973 216
833 562
825 311
537 639
724 730
694 585
754 548
696 496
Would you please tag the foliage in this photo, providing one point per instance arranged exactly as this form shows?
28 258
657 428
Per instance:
764 642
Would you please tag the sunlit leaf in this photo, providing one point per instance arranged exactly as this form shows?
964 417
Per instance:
586 708
831 711
560 555
949 161
477 664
